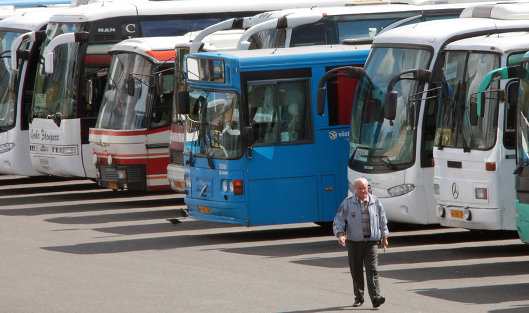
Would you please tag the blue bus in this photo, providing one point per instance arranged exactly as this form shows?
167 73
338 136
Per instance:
256 152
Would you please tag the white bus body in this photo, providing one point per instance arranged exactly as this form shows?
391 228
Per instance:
91 29
16 87
396 156
473 172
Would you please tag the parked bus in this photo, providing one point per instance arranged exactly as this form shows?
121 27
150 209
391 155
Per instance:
130 138
76 49
392 133
520 117
475 154
16 85
256 152
359 21
305 27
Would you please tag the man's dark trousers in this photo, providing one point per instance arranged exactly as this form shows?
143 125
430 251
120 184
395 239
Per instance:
360 253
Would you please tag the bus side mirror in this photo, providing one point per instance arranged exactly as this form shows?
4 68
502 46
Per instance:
248 136
182 102
130 86
90 91
390 107
322 91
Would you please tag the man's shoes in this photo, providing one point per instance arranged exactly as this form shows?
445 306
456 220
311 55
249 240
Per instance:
378 301
358 303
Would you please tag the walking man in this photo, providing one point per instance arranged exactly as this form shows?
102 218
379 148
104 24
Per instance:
360 224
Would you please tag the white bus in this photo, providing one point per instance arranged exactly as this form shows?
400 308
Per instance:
392 133
475 155
68 89
17 75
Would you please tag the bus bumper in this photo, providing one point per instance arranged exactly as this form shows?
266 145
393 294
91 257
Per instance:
470 218
176 176
216 211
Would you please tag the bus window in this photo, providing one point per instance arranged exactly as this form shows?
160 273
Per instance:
509 125
278 111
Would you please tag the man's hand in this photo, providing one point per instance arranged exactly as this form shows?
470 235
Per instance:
384 242
341 240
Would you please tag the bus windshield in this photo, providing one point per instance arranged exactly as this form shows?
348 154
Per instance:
55 93
523 118
121 110
213 126
7 96
375 140
463 72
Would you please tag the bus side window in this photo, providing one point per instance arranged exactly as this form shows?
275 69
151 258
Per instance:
509 125
278 111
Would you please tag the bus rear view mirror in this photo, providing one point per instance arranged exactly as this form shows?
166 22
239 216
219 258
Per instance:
322 92
248 136
390 107
182 102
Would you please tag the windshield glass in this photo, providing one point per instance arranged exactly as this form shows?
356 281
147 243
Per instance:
129 73
7 96
213 126
373 138
522 152
55 93
463 72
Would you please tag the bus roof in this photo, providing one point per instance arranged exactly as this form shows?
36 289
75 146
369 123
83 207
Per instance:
30 20
112 8
263 58
499 43
429 34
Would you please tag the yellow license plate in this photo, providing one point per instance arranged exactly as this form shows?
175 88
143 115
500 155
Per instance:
204 209
456 214
113 186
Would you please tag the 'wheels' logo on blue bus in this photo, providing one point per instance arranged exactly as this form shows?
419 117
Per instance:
334 134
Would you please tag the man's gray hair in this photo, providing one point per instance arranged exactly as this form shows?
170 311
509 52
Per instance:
361 179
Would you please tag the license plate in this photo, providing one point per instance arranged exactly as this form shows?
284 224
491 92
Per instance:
456 214
204 209
113 186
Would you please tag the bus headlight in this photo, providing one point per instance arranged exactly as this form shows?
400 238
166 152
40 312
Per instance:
224 186
481 193
122 174
467 215
400 190
187 180
64 150
6 147
441 211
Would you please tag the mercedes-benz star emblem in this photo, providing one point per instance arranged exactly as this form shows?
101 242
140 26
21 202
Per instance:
455 191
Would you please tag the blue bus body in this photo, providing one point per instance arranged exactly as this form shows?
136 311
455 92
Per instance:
279 171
